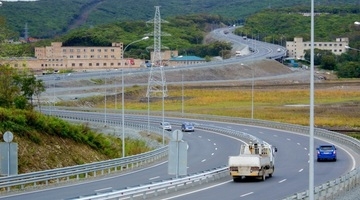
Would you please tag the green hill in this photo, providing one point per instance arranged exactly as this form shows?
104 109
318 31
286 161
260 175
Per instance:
48 18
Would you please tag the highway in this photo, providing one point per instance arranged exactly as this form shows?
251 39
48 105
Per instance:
208 150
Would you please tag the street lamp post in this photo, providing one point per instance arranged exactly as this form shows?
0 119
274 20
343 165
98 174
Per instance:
347 47
311 134
122 96
252 89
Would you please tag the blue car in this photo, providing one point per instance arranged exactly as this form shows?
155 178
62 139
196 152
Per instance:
326 152
187 126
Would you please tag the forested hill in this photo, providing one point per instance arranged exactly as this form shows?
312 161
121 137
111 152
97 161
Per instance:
47 18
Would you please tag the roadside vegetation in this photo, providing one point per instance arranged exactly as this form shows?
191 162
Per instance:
47 142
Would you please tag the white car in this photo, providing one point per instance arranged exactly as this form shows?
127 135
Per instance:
165 126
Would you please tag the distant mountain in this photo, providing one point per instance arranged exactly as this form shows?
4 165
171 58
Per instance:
47 18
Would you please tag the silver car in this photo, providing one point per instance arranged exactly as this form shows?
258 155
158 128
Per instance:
165 126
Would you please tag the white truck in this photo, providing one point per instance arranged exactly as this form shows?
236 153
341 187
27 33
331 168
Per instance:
254 160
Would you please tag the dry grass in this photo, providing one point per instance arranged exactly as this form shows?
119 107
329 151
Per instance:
333 108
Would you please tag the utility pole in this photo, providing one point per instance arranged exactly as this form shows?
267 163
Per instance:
157 82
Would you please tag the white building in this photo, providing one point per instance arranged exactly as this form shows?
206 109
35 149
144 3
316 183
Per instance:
296 48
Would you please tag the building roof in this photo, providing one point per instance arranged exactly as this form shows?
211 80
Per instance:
187 58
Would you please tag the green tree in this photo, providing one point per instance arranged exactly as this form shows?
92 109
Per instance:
349 70
18 88
328 62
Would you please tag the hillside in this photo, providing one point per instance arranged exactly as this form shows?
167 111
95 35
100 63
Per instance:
57 17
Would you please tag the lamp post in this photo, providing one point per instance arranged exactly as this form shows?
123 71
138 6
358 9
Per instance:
122 96
347 47
311 123
252 89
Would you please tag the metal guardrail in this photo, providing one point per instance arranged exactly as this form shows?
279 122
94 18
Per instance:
163 187
77 172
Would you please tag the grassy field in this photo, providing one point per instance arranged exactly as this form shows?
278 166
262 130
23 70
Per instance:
335 108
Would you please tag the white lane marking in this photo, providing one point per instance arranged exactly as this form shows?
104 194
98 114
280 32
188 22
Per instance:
215 148
288 139
305 148
99 190
261 132
212 154
214 144
282 180
203 160
298 143
200 136
275 136
244 195
156 177
301 170
184 194
209 140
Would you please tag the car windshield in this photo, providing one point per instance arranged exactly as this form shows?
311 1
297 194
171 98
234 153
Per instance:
326 148
166 124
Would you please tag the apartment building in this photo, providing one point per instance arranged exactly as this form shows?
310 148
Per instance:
296 48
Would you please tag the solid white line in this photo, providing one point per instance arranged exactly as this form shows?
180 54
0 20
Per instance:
298 143
203 160
214 144
212 154
109 188
282 180
305 149
215 148
184 194
244 195
154 178
288 139
301 170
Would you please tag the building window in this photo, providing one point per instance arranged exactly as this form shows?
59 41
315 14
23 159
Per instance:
330 45
112 50
78 56
71 50
340 45
112 56
73 64
111 64
105 56
97 64
91 50
92 56
335 45
320 45
80 64
64 50
78 50
99 50
71 56
104 64
105 50
90 64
